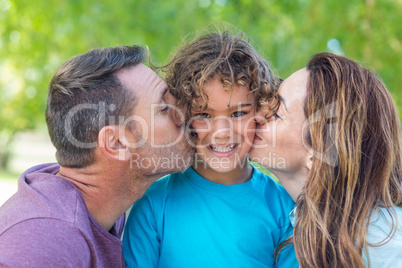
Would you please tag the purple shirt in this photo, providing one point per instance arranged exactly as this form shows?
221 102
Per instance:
47 224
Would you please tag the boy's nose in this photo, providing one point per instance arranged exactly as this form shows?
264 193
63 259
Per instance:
222 127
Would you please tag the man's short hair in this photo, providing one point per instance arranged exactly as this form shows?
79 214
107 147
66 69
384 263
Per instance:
85 94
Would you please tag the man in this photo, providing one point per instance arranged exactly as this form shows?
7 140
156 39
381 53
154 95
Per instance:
116 131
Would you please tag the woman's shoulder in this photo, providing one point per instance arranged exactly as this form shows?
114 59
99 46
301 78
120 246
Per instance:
384 219
386 254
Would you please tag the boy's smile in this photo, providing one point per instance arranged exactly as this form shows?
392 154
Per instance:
225 129
222 149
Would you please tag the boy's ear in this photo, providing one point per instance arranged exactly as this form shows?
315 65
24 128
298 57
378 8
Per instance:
112 142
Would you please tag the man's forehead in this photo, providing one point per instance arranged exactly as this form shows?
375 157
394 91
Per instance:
140 77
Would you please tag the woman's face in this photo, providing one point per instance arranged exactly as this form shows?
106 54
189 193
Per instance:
278 144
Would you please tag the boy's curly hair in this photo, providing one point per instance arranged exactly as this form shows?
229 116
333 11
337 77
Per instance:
218 53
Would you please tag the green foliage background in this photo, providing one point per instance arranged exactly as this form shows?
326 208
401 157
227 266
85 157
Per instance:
37 36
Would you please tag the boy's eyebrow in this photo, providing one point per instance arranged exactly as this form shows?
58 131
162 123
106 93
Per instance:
234 107
240 105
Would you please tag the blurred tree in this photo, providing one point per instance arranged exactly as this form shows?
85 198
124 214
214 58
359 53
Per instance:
37 36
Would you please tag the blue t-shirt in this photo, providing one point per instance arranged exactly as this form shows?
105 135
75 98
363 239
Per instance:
184 220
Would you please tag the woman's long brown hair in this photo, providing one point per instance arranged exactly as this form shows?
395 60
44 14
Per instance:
353 131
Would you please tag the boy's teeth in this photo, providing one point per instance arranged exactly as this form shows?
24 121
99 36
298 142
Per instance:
223 150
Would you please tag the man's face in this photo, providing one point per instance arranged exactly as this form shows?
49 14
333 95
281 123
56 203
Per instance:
160 145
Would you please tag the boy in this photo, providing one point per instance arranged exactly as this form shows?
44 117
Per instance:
221 212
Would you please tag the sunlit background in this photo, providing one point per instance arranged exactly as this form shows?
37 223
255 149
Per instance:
37 36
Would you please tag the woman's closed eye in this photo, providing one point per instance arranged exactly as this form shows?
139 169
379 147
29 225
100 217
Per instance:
272 117
276 115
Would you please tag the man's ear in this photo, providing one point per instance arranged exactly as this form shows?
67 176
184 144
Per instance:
112 143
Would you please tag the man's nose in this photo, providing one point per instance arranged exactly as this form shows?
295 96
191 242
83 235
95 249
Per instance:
178 116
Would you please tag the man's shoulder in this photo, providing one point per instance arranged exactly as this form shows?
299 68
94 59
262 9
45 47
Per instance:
42 195
43 241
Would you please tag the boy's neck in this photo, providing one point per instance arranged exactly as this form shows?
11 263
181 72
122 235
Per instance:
241 174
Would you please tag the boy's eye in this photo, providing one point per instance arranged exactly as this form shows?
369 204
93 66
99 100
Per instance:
202 116
276 116
238 114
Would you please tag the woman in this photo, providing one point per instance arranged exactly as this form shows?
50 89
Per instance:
334 143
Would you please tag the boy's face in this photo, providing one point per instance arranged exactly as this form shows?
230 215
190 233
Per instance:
226 129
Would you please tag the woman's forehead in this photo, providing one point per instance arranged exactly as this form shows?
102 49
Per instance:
295 85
